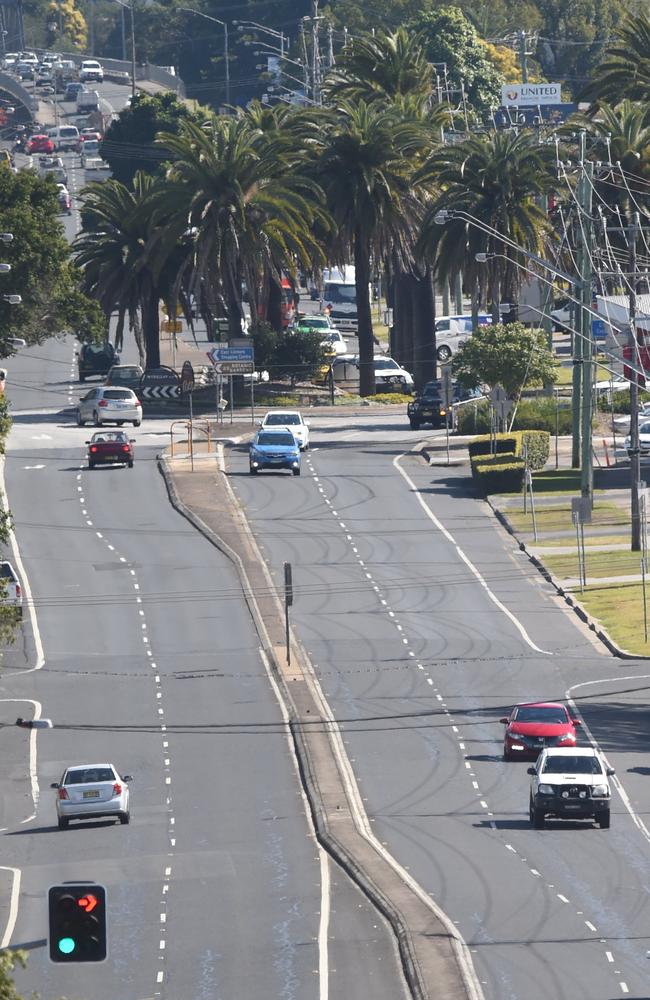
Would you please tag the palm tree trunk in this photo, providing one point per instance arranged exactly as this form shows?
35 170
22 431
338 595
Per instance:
274 304
151 328
424 328
401 317
364 318
232 291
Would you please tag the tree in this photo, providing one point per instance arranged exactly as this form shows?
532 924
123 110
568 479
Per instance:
8 962
114 253
488 183
452 40
41 272
128 145
365 171
510 355
297 355
622 137
381 67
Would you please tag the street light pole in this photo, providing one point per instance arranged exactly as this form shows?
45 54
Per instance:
636 367
132 9
226 49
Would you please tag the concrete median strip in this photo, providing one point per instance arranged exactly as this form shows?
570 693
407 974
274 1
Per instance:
435 959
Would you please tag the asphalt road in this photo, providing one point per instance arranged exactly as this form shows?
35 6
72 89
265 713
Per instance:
423 640
149 659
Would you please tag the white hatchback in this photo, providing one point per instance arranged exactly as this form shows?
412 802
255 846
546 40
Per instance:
109 405
292 420
90 791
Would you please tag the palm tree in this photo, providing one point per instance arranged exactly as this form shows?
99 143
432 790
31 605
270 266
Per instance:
624 71
112 252
381 67
364 169
622 135
488 183
233 188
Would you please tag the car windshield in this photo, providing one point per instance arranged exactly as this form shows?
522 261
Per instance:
88 775
280 439
316 323
282 419
109 437
340 293
644 429
532 713
118 394
381 364
561 764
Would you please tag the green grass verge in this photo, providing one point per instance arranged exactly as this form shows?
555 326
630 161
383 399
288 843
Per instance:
559 518
593 540
619 609
617 563
557 480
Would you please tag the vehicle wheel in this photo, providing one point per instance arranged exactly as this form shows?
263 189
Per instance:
536 817
415 426
296 472
443 353
136 423
63 822
506 755
120 423
91 465
80 422
252 471
96 419
603 820
130 465
82 378
125 818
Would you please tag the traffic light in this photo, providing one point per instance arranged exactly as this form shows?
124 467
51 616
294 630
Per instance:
77 922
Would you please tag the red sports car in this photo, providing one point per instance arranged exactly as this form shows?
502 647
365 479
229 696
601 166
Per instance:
110 448
39 144
533 726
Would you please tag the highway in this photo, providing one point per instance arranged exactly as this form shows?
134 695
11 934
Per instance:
426 626
141 650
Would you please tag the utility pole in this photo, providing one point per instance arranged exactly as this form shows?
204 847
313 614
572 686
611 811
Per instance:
576 337
523 61
330 46
635 454
586 277
315 72
305 58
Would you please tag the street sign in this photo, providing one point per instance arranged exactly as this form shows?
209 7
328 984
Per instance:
233 360
160 383
288 584
581 510
498 394
172 326
187 378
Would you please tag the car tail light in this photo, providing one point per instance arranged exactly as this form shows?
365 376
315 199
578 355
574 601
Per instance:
125 447
93 447
19 591
63 793
138 403
103 402
117 788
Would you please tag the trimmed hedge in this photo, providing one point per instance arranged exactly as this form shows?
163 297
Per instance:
537 445
532 414
500 474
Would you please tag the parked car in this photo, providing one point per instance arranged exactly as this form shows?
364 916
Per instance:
274 449
644 439
108 405
12 590
90 791
110 448
96 359
128 375
453 331
535 725
89 70
39 143
570 783
65 201
389 376
290 420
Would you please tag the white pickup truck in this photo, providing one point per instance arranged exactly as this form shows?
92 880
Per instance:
12 591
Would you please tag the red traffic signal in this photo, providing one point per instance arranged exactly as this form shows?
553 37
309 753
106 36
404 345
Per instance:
77 922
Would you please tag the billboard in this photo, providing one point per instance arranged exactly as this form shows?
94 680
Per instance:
521 94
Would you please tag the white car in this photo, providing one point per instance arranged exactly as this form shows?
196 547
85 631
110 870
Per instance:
13 593
89 791
90 158
388 372
292 420
91 70
336 343
108 405
570 783
644 438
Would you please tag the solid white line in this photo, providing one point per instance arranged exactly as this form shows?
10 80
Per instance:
13 905
470 565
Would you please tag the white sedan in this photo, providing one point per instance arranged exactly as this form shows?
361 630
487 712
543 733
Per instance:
108 405
644 439
292 420
90 791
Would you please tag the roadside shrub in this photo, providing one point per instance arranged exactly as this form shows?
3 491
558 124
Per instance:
391 397
537 445
532 414
481 445
621 401
500 474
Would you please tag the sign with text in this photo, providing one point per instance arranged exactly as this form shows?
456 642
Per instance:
521 94
233 360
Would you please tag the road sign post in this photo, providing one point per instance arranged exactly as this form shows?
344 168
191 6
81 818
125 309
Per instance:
288 601
187 388
234 358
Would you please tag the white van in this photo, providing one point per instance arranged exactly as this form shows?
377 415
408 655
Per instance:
87 101
65 137
453 331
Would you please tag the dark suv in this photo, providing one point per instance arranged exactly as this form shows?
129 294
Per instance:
428 407
96 359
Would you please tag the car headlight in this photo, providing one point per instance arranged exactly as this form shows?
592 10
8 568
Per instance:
545 789
600 792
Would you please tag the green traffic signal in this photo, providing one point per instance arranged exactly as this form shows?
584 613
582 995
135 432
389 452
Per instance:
67 945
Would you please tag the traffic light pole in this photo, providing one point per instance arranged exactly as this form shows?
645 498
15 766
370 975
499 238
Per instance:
635 454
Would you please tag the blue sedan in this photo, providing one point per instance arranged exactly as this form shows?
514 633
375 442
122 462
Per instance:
274 450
